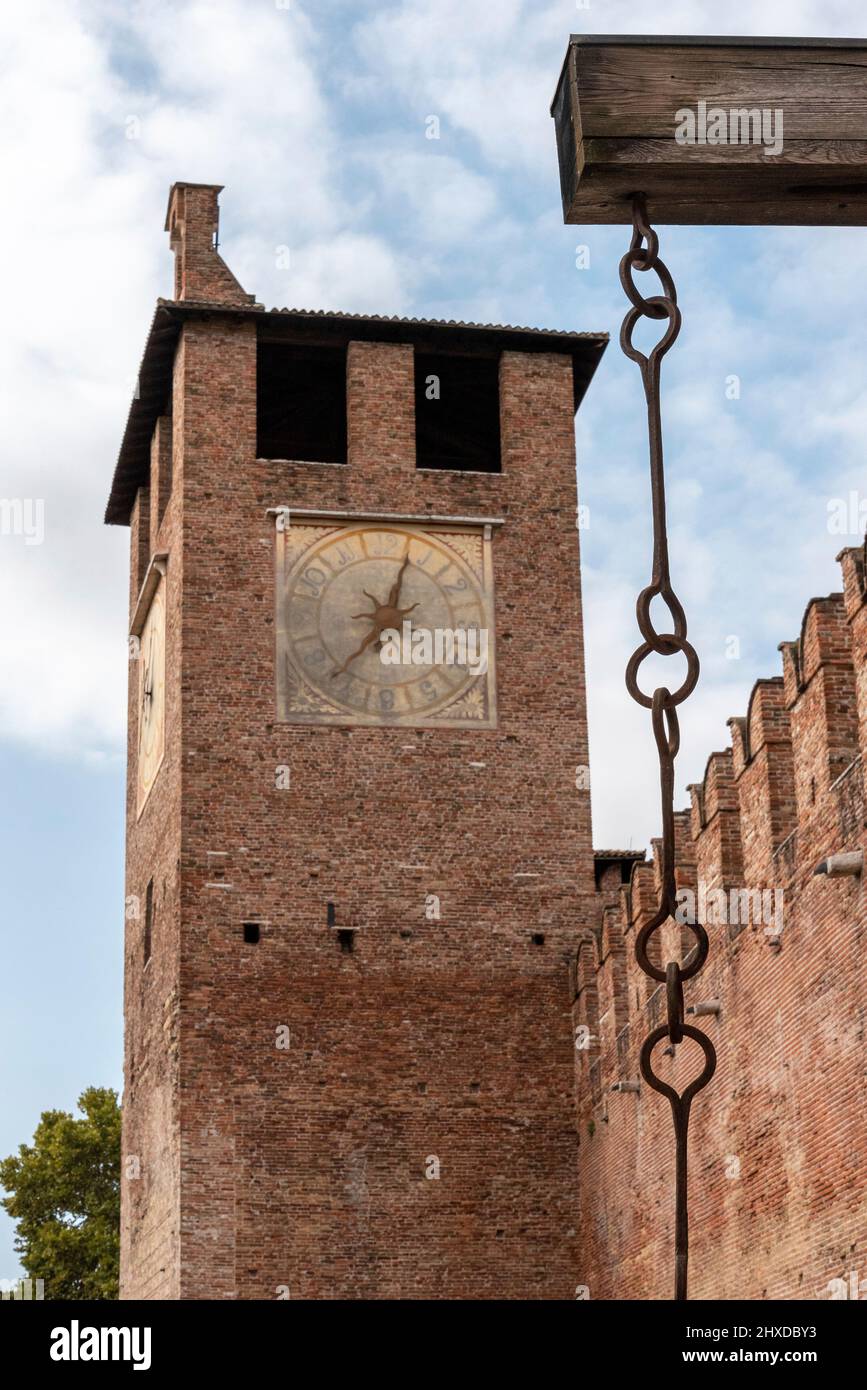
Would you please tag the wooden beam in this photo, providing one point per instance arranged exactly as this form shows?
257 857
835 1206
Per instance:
714 130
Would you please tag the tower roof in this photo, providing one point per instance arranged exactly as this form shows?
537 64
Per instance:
323 328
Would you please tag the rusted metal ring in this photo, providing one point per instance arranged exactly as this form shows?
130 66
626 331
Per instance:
686 971
654 306
641 257
707 1047
641 228
674 1001
627 328
666 728
677 644
663 590
651 250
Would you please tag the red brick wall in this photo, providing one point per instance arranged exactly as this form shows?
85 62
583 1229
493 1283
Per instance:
305 1168
150 1218
778 1170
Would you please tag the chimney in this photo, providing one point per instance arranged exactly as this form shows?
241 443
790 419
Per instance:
192 221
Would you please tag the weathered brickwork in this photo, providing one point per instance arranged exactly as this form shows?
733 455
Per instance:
778 1185
192 222
151 1149
266 1170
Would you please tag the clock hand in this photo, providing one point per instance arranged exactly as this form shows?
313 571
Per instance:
391 601
372 617
148 684
369 639
382 617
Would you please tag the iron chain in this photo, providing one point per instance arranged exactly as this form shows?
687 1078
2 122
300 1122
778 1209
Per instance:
643 254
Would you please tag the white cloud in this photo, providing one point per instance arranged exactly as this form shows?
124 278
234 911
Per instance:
349 272
489 70
446 201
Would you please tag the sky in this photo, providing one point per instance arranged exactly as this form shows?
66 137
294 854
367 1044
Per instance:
315 117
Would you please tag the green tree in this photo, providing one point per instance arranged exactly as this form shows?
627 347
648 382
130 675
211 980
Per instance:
64 1195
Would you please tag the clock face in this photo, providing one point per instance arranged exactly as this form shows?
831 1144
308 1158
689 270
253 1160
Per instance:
151 695
385 624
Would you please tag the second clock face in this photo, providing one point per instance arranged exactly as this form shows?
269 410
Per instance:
344 589
151 693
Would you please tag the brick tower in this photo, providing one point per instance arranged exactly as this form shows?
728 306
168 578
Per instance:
355 889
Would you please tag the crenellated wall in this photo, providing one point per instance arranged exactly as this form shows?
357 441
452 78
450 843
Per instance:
778 1162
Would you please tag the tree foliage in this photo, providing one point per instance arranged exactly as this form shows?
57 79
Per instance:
64 1194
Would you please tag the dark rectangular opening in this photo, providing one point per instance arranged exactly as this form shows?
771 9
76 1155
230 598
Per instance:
301 403
149 921
346 937
165 461
457 413
251 933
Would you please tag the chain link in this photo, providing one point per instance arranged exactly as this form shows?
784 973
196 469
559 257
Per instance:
643 254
